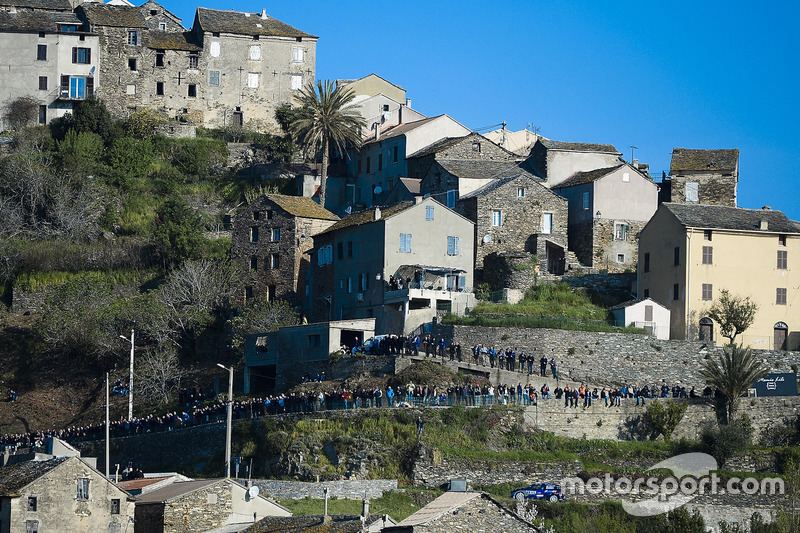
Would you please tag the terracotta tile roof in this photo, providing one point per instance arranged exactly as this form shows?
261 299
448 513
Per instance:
479 169
301 206
49 5
114 16
175 490
589 176
35 21
578 147
367 216
241 23
499 183
731 218
170 40
686 159
15 477
307 524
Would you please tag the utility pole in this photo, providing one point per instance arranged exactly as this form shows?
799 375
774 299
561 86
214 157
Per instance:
108 434
230 421
130 383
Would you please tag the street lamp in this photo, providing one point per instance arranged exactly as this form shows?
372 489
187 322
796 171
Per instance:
230 421
130 383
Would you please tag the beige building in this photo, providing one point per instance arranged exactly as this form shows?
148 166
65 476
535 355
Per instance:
689 253
372 85
518 142
557 161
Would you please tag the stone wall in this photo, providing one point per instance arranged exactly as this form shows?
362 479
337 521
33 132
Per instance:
609 359
290 373
615 282
581 241
712 188
200 510
607 248
480 514
344 489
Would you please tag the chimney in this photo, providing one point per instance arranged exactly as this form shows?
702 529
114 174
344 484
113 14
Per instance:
764 225
408 103
377 131
766 208
635 163
377 213
365 508
264 14
400 115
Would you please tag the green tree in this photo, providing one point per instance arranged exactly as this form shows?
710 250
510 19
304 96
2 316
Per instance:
79 149
733 372
723 441
143 123
327 121
262 316
734 314
131 157
664 417
21 112
92 115
178 232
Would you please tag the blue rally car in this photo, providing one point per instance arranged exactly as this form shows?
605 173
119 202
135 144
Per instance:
539 491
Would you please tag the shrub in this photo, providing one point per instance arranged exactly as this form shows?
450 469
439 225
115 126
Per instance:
663 418
723 441
80 148
143 124
131 157
21 111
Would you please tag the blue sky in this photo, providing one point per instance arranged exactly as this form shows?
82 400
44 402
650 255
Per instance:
691 75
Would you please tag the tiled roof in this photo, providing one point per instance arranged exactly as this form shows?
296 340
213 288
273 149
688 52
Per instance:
439 507
301 206
241 23
307 524
114 16
170 40
35 21
586 177
175 490
578 147
412 184
472 168
499 183
731 218
449 142
137 484
15 477
49 5
367 216
401 129
684 159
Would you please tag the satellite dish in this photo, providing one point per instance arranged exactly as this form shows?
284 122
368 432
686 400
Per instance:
253 491
487 239
378 190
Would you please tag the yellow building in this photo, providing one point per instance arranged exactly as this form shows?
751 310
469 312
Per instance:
689 253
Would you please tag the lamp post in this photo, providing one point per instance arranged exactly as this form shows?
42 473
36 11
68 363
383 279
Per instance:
130 383
230 420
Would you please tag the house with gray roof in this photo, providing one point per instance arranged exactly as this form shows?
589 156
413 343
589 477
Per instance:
706 177
556 161
689 254
608 207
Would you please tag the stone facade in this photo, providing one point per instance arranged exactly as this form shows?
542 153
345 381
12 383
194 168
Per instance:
470 147
556 161
612 251
271 242
517 214
201 510
705 177
344 489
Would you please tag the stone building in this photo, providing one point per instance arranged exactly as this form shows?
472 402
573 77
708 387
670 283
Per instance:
556 161
706 177
608 207
47 54
517 214
272 238
61 494
463 511
202 505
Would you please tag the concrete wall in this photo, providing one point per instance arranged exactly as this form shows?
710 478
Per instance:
372 85
562 164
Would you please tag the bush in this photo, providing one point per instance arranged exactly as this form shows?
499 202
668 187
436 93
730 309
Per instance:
723 441
131 157
199 158
80 148
143 124
664 417
21 111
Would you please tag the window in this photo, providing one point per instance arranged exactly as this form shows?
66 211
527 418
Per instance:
253 262
269 214
428 212
405 242
621 232
42 114
252 80
274 261
130 89
194 61
41 52
31 526
780 296
214 49
115 506
451 199
626 177
248 293
368 164
160 88
476 146
162 26
452 245
349 248
497 218
298 54
707 235
81 55
76 87
677 256
324 255
255 52
359 166
192 90
620 258
276 234
692 188
647 293
707 293
42 83
83 489
708 255
339 251
256 215
520 192
254 234
160 58
586 201
133 37
782 259
32 503
213 78
394 151
781 240
380 162
131 63
297 82
363 281
647 262
547 223
676 292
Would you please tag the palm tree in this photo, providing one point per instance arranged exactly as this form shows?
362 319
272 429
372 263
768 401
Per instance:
733 373
328 119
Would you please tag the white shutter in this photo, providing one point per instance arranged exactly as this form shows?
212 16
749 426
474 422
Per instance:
255 52
692 191
214 49
252 80
297 82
